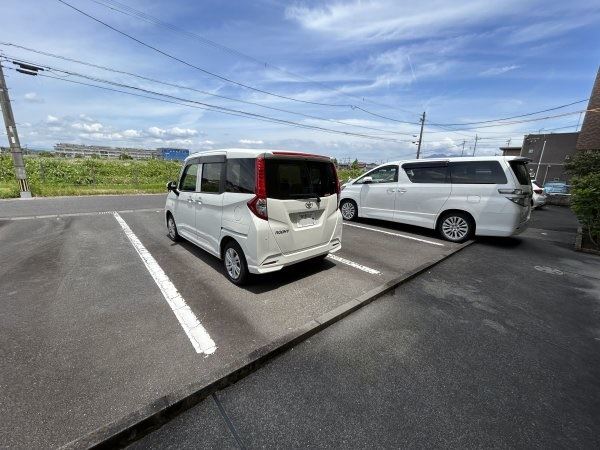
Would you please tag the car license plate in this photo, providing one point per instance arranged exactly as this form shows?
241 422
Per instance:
305 220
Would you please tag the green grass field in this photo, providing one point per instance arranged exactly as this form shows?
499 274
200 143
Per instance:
77 176
49 177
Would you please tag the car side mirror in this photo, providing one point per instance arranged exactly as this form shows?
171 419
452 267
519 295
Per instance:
172 187
367 180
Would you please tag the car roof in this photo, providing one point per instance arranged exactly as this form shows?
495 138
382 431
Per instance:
249 153
460 159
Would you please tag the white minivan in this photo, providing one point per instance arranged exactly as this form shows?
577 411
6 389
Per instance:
458 197
257 210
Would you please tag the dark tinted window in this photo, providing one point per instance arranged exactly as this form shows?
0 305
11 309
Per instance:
189 177
477 172
428 174
385 174
520 170
211 177
288 179
240 175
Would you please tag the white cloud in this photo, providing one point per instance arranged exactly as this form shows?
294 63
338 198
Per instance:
174 132
52 119
492 71
88 127
250 142
383 20
32 97
131 133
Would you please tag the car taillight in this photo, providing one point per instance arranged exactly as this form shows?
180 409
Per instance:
258 205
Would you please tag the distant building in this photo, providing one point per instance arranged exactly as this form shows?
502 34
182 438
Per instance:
511 151
548 154
87 151
173 154
589 136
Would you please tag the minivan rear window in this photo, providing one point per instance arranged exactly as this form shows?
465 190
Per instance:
519 168
477 172
290 178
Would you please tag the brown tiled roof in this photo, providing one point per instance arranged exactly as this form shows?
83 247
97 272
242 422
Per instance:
589 137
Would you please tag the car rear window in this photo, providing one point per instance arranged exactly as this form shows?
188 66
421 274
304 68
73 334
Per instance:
477 172
290 178
519 168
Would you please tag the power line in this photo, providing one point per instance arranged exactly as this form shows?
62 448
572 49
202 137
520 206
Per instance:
513 117
192 89
209 107
221 77
132 12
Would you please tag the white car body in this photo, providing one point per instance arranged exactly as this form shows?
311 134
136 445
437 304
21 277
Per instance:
295 230
499 206
539 196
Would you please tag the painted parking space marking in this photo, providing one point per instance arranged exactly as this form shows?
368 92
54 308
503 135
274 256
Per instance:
394 234
80 214
194 330
353 264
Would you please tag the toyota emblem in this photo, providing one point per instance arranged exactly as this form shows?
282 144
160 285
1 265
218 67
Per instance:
308 205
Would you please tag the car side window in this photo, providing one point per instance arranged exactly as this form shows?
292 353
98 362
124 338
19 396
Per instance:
211 177
477 172
240 175
385 174
429 174
189 178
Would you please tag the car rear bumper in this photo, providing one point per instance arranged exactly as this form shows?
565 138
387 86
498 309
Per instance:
277 262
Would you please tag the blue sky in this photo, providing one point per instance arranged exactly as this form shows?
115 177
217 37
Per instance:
459 61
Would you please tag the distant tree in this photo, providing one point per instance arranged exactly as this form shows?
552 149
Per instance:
46 154
355 164
334 161
95 156
124 156
78 156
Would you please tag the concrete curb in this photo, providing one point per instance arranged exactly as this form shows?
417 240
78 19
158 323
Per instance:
132 427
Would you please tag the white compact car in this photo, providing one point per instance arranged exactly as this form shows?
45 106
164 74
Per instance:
459 197
539 196
257 210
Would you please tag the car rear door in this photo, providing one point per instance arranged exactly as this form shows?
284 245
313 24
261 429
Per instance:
377 197
209 203
423 189
301 200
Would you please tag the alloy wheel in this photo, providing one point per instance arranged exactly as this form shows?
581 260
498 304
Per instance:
233 263
455 228
348 210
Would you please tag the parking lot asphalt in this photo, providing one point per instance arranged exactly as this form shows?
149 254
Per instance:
88 336
496 347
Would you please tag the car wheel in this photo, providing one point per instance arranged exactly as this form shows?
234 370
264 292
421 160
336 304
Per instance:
348 209
234 262
172 229
456 227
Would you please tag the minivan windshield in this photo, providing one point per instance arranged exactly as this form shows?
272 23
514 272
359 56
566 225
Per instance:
295 179
520 170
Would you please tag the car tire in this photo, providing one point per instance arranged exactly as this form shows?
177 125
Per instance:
349 209
456 227
172 228
234 263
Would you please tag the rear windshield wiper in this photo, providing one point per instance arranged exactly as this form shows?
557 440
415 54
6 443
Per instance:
309 195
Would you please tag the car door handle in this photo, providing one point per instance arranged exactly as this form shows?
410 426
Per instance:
199 201
391 190
401 191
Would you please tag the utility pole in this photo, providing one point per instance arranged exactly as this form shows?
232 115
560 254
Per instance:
540 160
420 135
463 148
475 146
13 138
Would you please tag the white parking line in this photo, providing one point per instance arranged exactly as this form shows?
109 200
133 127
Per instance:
196 333
353 264
394 234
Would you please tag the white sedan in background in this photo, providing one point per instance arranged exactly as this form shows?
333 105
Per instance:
539 196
